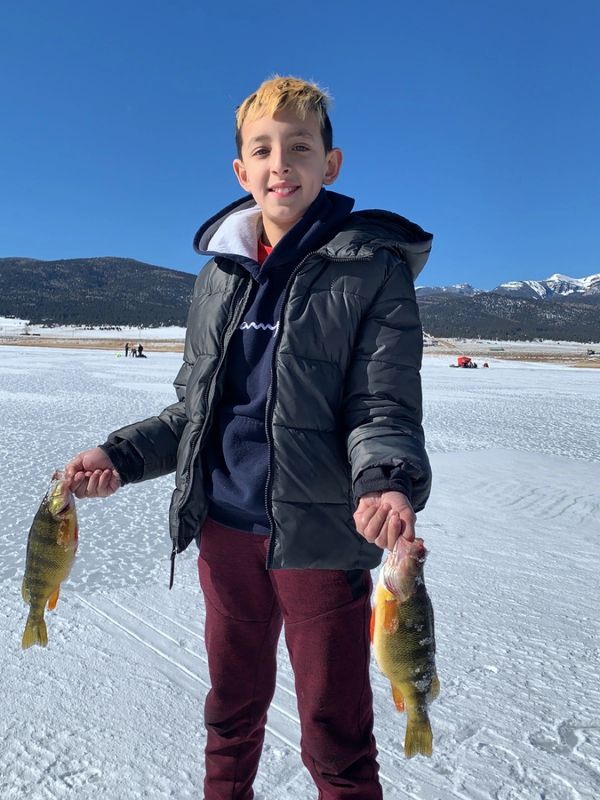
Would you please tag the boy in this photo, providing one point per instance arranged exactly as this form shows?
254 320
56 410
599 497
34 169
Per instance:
299 396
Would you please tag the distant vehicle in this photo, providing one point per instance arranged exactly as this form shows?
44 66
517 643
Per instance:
464 362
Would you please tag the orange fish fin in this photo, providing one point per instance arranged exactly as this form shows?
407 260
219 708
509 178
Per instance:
398 698
372 626
390 616
25 592
35 633
53 599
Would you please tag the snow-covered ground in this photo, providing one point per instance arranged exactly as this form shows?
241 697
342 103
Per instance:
11 327
544 347
113 707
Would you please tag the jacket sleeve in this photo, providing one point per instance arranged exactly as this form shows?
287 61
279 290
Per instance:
383 401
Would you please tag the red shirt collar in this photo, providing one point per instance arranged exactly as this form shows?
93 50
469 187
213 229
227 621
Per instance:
263 251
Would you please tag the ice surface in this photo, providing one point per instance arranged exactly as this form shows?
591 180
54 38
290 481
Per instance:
13 326
113 707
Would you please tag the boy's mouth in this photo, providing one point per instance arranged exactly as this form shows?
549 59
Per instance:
284 191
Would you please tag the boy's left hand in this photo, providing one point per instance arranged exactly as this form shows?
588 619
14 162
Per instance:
383 517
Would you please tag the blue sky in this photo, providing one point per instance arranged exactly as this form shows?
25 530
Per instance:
478 120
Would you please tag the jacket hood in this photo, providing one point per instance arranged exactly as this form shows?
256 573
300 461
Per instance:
368 230
359 236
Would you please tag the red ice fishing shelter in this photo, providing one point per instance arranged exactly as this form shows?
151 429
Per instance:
463 361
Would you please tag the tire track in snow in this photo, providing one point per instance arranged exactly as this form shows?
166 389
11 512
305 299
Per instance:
396 760
193 675
193 653
280 718
280 684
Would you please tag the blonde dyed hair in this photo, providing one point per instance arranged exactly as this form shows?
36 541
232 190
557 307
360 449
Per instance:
286 92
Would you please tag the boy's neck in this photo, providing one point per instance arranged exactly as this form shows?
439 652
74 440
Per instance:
272 236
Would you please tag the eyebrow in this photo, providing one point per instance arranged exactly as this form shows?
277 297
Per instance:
265 137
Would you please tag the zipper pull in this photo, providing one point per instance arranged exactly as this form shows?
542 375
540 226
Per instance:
173 554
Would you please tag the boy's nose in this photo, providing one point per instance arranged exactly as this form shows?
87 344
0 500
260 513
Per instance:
279 163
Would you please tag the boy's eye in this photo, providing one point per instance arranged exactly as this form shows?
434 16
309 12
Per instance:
262 150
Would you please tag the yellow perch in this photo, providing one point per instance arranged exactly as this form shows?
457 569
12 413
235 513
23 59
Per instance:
51 551
403 640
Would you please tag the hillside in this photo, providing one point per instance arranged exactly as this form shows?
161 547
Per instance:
492 316
94 291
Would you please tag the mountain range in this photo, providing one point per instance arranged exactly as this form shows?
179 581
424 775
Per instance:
555 286
112 291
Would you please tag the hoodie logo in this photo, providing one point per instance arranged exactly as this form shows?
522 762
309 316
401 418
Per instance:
259 326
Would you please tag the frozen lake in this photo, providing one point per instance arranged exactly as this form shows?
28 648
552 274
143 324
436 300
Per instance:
113 707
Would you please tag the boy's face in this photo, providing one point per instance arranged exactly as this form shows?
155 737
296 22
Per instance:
284 166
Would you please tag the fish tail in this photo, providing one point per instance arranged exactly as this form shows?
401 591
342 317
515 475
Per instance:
418 738
35 633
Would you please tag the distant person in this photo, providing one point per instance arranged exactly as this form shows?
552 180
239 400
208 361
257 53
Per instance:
296 440
140 350
126 349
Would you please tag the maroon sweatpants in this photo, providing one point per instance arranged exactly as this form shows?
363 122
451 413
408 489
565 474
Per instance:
326 615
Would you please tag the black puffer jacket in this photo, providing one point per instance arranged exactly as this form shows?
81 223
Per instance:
345 393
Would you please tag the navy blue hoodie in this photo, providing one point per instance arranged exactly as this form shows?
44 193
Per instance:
236 454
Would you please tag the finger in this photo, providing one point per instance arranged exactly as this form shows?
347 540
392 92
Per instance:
77 477
362 518
395 528
69 472
409 528
408 520
75 482
115 481
92 487
73 465
81 490
365 518
382 539
104 481
369 500
373 528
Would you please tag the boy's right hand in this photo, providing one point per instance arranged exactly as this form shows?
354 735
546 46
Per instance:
92 474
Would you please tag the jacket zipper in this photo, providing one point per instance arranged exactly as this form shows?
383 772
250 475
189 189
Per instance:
271 394
196 441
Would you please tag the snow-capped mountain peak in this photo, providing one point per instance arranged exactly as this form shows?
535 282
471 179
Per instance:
557 284
458 288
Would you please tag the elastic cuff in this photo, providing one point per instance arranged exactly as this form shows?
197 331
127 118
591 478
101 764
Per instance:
126 461
382 479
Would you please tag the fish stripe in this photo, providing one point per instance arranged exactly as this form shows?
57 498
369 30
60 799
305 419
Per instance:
43 562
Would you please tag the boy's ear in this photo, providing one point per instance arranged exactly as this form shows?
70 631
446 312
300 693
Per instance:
334 164
241 174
